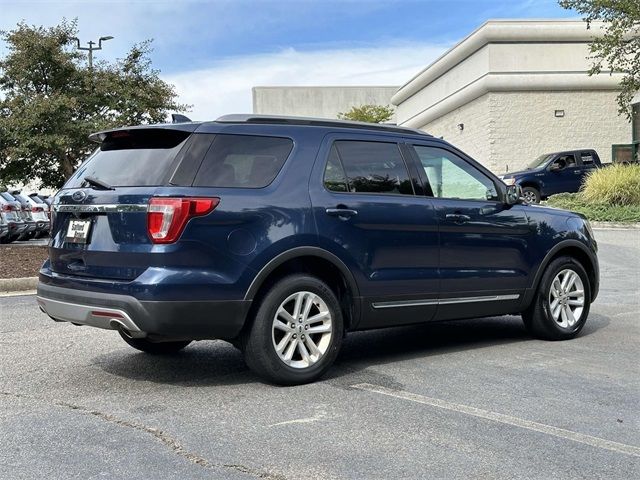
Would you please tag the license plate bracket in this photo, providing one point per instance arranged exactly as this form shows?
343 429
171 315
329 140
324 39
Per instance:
78 231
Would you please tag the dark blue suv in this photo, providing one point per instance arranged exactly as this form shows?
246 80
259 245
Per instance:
282 234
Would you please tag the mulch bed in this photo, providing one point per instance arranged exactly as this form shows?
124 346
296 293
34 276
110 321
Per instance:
17 262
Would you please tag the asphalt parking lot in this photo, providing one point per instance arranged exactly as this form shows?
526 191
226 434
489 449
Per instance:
475 398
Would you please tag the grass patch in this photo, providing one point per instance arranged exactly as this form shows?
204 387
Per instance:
599 212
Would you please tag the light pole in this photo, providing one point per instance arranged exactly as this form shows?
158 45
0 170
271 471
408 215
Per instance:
91 47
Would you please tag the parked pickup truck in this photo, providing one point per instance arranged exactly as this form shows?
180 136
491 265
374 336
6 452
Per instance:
553 173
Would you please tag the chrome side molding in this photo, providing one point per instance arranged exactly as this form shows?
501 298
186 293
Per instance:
445 301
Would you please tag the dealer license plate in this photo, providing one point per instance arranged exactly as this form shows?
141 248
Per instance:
78 231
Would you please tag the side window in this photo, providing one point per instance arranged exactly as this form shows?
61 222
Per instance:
243 161
587 158
450 176
373 167
334 176
566 161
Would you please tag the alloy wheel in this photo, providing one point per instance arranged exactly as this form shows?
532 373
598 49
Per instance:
566 298
529 196
302 329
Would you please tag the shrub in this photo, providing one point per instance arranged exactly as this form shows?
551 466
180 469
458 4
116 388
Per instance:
614 185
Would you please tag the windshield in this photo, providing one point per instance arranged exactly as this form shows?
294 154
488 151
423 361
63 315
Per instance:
541 160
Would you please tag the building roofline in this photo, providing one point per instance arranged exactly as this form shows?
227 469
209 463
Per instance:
551 30
321 86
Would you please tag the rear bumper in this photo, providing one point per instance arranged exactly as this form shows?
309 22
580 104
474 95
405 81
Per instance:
176 320
16 228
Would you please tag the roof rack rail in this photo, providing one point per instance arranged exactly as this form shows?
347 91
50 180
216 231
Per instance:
318 122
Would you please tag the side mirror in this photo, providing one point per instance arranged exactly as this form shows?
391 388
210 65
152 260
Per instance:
514 192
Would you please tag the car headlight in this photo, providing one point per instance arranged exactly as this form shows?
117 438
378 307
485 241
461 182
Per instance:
509 181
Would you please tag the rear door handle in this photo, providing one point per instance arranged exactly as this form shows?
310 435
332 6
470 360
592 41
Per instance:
343 213
457 217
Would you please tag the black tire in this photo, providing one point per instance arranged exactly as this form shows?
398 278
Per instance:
538 317
531 194
258 343
154 348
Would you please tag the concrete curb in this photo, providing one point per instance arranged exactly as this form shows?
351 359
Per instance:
616 225
18 284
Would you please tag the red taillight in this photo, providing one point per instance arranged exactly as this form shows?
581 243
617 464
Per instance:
166 217
8 208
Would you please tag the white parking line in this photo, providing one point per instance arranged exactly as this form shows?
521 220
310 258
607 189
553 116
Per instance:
501 418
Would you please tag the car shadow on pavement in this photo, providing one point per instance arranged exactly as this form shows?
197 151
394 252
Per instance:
211 363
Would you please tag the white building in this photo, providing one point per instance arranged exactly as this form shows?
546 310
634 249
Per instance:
323 102
515 89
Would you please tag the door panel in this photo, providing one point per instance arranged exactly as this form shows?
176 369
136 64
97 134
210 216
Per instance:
484 244
389 240
567 179
586 165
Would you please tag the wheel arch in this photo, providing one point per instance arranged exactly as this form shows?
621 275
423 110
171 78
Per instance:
313 260
531 183
576 250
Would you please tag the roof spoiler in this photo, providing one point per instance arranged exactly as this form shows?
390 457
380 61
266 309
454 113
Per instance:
177 118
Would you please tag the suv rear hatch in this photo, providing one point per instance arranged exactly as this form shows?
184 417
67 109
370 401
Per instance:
99 219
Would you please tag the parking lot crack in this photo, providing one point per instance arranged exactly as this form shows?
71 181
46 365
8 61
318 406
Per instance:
162 436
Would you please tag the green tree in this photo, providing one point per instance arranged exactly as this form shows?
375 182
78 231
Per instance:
619 47
368 113
50 101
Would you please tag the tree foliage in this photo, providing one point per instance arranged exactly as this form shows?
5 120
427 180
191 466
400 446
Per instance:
368 113
50 101
618 48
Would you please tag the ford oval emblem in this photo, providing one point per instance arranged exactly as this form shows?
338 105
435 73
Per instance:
79 195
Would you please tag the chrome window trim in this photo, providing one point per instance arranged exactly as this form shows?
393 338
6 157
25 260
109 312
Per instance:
105 208
445 301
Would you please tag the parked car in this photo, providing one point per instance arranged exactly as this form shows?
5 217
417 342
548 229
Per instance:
553 173
37 211
25 212
281 234
47 199
42 209
4 228
11 212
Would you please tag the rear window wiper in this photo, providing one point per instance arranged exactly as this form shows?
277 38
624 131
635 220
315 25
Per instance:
97 183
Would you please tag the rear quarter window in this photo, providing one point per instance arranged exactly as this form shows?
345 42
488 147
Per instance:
243 161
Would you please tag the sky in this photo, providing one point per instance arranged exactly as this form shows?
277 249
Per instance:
215 51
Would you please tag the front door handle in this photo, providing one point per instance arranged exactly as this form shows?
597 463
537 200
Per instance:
342 213
457 217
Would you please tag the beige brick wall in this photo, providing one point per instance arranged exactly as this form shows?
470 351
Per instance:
474 139
512 128
526 127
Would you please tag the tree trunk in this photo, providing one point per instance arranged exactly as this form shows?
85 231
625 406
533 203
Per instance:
66 165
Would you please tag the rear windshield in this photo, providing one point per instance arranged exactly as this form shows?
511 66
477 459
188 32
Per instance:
243 161
132 158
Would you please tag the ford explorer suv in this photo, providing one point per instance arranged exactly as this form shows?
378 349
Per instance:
551 173
280 235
